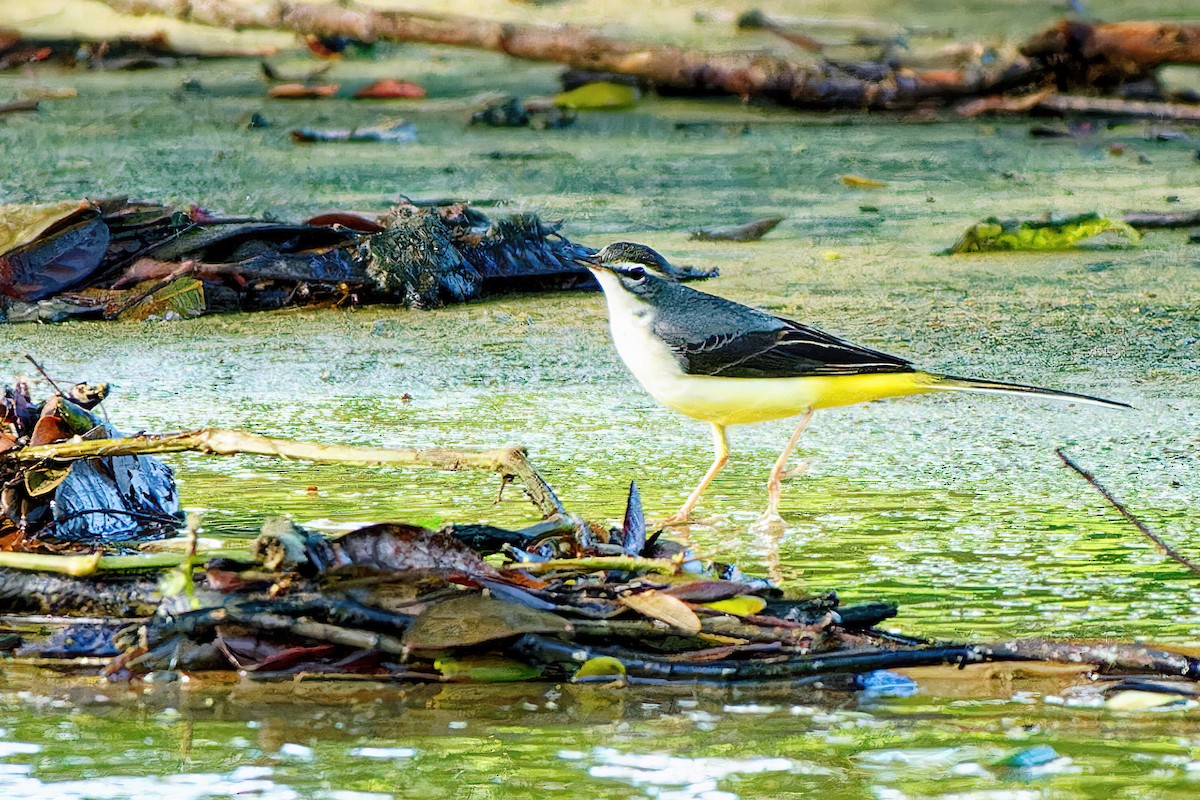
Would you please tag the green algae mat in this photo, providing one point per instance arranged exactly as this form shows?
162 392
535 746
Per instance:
953 506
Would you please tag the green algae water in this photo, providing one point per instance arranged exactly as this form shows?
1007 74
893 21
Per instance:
954 506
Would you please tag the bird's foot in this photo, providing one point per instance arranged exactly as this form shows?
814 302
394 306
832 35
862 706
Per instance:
676 519
679 520
795 471
768 522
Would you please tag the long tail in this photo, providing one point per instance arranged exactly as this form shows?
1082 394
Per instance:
954 384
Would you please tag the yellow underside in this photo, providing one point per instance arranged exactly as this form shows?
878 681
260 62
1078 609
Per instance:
737 401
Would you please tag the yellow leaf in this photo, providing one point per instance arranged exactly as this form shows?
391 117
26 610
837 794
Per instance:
486 669
600 96
599 665
664 607
1134 700
859 182
21 223
743 605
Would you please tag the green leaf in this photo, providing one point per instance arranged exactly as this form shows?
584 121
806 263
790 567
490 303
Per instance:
486 669
599 666
43 479
599 96
993 234
473 618
172 583
184 297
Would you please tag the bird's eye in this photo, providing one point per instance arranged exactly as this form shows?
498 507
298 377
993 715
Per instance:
637 273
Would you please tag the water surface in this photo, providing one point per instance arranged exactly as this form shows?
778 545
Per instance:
952 505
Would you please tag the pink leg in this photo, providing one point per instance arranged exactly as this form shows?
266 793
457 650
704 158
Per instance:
721 446
780 472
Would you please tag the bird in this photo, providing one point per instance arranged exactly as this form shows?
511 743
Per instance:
726 364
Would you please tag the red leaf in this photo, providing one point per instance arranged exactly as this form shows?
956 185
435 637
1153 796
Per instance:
354 222
389 89
49 429
298 91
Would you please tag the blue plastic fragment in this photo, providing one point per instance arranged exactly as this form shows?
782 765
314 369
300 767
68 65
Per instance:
1034 756
882 683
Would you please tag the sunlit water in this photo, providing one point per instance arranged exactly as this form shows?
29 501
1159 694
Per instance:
953 506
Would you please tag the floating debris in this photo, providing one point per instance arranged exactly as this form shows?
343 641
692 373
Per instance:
396 133
995 234
746 232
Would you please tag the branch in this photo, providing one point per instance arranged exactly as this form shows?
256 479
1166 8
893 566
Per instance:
1117 107
508 461
1167 550
759 75
1120 658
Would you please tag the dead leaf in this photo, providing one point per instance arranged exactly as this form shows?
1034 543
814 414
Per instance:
50 429
355 222
746 232
1012 105
702 591
183 298
298 91
395 547
665 608
61 256
859 182
389 89
22 223
474 618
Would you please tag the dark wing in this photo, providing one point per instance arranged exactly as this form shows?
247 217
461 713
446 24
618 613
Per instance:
791 350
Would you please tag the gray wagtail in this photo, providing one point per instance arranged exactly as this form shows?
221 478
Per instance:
728 364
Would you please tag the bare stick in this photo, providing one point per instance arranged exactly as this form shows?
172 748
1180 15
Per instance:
662 566
1116 107
753 74
1145 220
19 105
1167 550
49 380
1070 53
1104 657
507 461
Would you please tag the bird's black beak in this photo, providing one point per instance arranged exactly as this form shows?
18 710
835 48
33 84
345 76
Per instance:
591 262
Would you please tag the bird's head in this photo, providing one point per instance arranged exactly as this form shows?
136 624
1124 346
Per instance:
628 266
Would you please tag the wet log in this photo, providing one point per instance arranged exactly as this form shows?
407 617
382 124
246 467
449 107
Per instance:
42 593
1104 657
1071 54
1103 55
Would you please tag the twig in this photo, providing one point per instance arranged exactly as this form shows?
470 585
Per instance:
1116 107
1167 550
49 380
1144 220
1129 658
320 631
42 593
510 460
662 566
19 105
186 268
